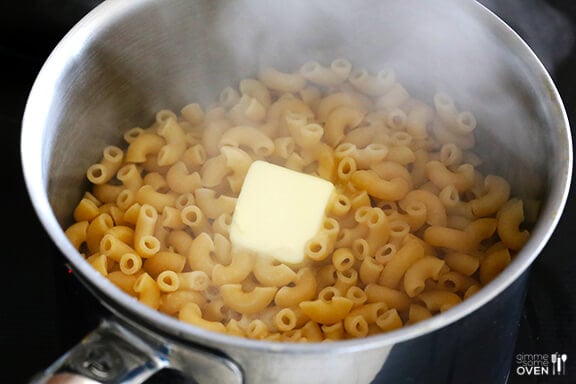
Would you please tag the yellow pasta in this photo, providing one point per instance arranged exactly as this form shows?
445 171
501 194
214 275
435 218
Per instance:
333 331
247 302
130 263
191 313
356 295
370 270
271 275
368 180
309 134
510 217
215 309
195 219
318 248
148 195
175 146
395 269
257 90
144 145
164 261
373 85
418 313
123 281
449 238
371 155
222 223
338 121
304 289
327 311
105 170
238 162
155 180
228 97
456 282
248 110
200 253
338 99
378 226
222 249
356 325
345 280
170 218
389 320
257 329
179 240
492 264
212 205
361 249
194 156
99 262
497 193
168 281
113 247
144 240
370 312
285 319
462 179
438 300
343 259
193 113
401 154
86 210
214 171
393 298
96 230
239 268
181 180
194 280
284 147
76 233
396 119
414 227
428 267
122 232
281 81
396 96
462 263
336 73
147 291
249 137
283 106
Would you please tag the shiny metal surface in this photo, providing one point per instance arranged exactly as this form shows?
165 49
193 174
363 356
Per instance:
126 60
115 353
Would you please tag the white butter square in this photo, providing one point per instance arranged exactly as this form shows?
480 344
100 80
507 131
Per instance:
278 211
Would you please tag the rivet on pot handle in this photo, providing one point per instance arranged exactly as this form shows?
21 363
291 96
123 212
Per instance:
113 354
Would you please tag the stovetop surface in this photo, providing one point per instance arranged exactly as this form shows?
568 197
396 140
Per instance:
45 311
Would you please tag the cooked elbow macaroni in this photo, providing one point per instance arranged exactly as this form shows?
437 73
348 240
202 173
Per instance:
413 229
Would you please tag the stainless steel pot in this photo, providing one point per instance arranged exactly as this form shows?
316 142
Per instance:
125 60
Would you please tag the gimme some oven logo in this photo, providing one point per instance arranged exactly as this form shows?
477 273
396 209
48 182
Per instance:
540 364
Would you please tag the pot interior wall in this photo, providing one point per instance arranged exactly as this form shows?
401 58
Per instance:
167 54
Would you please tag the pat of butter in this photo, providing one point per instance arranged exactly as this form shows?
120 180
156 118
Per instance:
278 211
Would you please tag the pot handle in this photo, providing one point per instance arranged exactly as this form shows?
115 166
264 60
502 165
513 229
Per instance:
113 354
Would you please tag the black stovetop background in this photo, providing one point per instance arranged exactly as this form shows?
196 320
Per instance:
43 309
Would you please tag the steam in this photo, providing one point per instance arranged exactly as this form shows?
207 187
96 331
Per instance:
431 44
544 28
450 46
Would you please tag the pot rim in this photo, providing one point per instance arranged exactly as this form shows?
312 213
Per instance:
35 163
